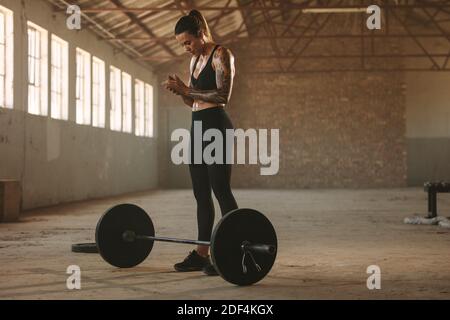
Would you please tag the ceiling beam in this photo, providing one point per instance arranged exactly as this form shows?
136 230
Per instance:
141 25
319 36
291 6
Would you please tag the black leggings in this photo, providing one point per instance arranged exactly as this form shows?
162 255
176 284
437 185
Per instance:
211 176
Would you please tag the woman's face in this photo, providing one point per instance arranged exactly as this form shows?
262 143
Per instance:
190 43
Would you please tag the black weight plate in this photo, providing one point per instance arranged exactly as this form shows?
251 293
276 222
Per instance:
109 231
233 229
85 247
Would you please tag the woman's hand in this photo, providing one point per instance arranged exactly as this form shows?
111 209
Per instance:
175 85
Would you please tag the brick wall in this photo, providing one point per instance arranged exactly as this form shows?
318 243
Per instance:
336 130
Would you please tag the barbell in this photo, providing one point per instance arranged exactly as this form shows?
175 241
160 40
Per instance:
243 244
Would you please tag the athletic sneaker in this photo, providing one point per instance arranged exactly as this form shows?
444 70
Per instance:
209 269
193 262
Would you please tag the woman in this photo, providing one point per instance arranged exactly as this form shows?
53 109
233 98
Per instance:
208 92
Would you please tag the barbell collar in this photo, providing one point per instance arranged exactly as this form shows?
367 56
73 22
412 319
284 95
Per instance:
258 248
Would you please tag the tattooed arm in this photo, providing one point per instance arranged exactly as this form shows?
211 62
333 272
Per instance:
223 62
188 101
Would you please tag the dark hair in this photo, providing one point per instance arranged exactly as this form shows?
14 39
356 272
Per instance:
193 23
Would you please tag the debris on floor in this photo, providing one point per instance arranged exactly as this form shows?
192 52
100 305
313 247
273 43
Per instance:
440 221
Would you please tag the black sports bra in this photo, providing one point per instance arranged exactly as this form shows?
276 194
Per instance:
207 78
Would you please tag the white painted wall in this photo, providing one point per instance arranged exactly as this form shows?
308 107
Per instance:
428 105
428 126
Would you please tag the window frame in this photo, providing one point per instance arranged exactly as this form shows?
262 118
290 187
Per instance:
37 69
98 106
127 103
115 91
139 109
59 74
83 87
149 110
6 58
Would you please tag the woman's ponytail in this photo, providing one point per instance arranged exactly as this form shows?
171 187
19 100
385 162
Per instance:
203 24
193 23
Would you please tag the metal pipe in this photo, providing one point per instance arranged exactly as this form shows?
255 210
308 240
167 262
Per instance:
100 28
309 9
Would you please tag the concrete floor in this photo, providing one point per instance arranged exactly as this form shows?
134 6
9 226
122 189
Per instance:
327 239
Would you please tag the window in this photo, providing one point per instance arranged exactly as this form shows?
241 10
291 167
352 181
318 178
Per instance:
6 58
148 105
115 87
37 70
144 109
98 93
139 114
127 103
120 87
59 78
83 87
